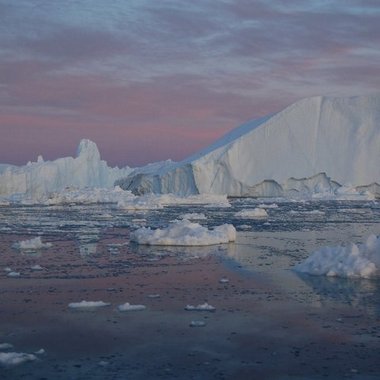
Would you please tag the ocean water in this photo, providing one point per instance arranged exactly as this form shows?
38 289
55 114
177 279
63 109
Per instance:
269 322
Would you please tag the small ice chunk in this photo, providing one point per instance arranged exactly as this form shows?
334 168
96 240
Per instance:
88 304
224 280
185 233
5 346
14 274
252 213
7 269
128 307
35 243
15 358
267 205
354 260
154 296
197 323
40 352
36 267
193 216
203 307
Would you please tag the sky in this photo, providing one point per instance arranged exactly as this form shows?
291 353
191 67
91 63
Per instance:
150 80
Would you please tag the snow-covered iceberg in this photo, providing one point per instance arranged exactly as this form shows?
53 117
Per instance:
39 178
312 147
354 260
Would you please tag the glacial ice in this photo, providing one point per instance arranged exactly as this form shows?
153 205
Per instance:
36 179
185 233
314 146
354 260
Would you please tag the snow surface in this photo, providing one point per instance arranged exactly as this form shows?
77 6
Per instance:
354 260
35 243
312 147
202 307
185 233
128 307
15 358
252 213
87 304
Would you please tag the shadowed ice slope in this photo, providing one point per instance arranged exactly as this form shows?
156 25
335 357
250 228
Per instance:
336 136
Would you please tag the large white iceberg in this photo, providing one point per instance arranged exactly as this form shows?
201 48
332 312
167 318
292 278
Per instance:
185 233
312 147
43 177
354 260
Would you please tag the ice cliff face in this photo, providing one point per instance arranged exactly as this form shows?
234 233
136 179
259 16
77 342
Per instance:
322 141
39 178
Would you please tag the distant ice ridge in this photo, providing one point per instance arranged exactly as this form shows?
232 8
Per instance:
313 147
185 233
354 260
37 179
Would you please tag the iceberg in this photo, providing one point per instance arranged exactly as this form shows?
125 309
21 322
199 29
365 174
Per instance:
354 260
43 177
314 146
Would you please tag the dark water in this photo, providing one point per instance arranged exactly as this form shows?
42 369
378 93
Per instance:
269 323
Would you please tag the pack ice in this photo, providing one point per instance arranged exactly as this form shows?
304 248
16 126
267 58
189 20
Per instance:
314 146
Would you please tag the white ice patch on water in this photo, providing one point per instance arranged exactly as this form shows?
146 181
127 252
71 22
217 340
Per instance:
193 216
128 307
87 304
35 243
5 346
252 213
15 358
267 205
185 233
197 324
354 260
202 307
14 274
36 267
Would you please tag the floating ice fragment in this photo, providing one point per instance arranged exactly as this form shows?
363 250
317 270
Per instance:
14 274
36 267
362 260
185 233
128 307
154 296
7 269
5 346
88 304
193 216
224 280
35 243
197 323
15 358
252 213
40 352
203 307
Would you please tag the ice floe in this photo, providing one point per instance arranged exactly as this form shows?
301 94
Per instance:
202 307
5 346
354 260
193 216
15 358
252 213
35 243
88 304
13 274
185 233
128 307
197 324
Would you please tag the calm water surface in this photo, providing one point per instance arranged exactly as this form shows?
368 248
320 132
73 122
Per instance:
269 323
